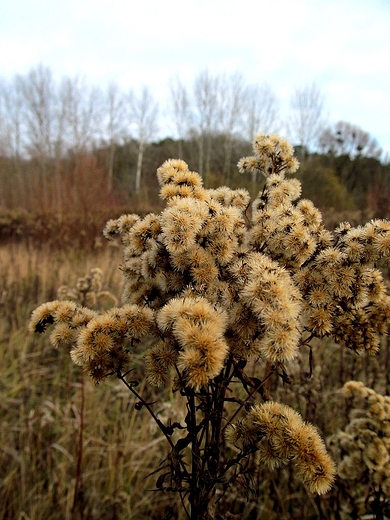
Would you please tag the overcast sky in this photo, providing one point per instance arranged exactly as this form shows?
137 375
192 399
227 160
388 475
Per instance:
341 45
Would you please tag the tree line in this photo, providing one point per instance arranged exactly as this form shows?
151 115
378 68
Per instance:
65 139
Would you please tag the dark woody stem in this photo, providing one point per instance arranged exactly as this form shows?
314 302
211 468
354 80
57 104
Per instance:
255 389
160 424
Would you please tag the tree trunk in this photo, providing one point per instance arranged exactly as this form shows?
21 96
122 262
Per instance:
139 166
111 156
201 154
228 157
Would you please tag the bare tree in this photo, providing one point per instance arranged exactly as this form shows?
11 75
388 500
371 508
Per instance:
39 101
4 134
114 124
232 95
143 118
12 183
38 91
11 119
306 118
348 139
180 110
206 99
62 133
82 106
261 112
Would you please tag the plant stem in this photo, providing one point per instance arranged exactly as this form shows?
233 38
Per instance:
78 486
148 407
256 389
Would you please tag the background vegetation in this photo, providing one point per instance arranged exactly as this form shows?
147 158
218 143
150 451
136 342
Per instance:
70 450
73 450
71 154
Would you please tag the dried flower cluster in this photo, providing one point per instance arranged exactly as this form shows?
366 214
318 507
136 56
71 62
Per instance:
73 317
215 290
89 291
345 294
364 445
281 435
272 154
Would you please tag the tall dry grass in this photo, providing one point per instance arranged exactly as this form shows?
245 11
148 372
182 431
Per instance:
72 450
69 449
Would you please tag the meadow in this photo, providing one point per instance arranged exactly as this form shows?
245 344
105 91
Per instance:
69 449
74 450
237 394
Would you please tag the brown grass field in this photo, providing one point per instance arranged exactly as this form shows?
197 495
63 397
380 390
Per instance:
46 403
72 450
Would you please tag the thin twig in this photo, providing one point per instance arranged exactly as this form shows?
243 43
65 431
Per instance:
244 402
159 423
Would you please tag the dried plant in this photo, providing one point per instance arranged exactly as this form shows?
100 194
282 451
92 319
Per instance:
224 297
88 291
363 448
